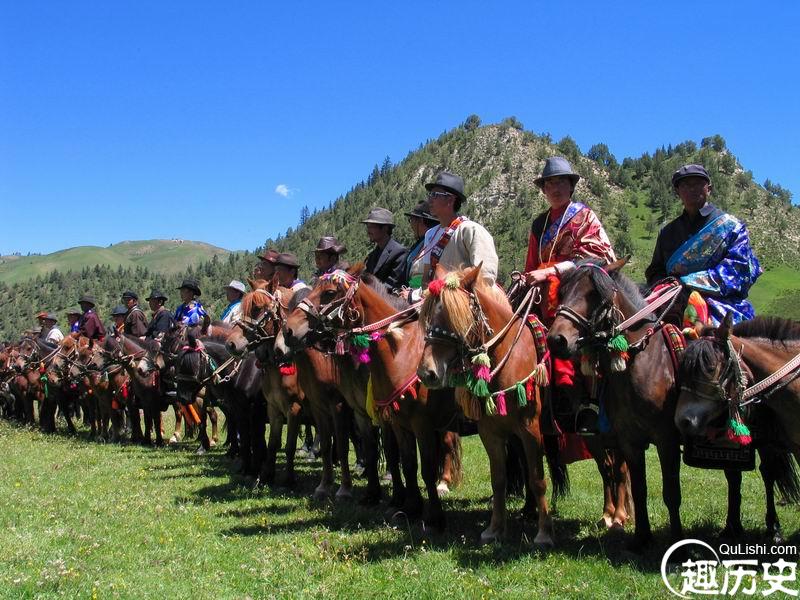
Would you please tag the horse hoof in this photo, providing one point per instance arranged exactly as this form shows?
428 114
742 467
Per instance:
344 493
605 522
442 489
489 536
200 451
732 532
543 541
321 494
211 443
617 527
174 439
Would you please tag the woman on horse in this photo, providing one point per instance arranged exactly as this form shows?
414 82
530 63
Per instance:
566 232
190 312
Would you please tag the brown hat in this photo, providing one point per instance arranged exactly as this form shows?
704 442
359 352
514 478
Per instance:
380 216
422 211
269 256
287 259
330 245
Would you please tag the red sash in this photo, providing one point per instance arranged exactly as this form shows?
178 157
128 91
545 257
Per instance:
436 252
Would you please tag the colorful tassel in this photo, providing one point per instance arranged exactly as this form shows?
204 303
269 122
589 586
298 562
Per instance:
522 396
376 336
360 340
451 282
287 369
436 286
529 387
482 359
501 404
491 408
478 387
457 380
738 432
339 349
619 343
540 376
619 361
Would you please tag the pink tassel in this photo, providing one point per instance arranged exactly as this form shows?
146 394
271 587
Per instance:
376 335
362 356
339 346
481 372
501 404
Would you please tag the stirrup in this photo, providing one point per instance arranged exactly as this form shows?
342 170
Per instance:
587 420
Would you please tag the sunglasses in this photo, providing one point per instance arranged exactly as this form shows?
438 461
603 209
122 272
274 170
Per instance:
432 195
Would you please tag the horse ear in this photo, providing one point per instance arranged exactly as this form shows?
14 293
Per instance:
723 332
357 269
251 283
439 272
470 276
618 264
192 340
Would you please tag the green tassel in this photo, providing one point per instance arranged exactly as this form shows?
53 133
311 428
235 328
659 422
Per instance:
360 340
738 427
522 397
482 359
478 387
457 380
491 408
451 282
619 343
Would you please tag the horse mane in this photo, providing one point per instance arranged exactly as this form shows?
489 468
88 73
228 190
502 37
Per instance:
700 357
298 297
604 282
376 285
774 328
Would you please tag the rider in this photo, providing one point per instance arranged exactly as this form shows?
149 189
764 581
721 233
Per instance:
190 312
234 292
385 260
73 318
90 324
421 220
119 314
50 333
162 320
135 320
326 257
563 234
709 251
456 242
286 269
265 267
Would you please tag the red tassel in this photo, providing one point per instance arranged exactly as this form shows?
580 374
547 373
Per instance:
125 390
436 286
501 404
529 389
288 369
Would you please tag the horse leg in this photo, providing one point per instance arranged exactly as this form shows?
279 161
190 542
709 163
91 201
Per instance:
642 535
369 448
214 418
669 455
534 456
621 480
428 450
391 449
267 474
341 434
202 433
773 462
495 446
176 435
412 505
133 418
292 431
257 439
325 431
451 462
733 522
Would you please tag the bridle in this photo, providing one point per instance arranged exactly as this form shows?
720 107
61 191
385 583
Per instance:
254 329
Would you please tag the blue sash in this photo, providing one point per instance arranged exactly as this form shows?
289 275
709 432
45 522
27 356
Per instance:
704 249
552 230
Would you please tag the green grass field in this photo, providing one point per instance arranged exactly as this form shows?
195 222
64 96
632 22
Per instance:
80 519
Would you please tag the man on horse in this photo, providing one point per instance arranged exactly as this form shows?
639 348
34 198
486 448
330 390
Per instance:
162 320
120 316
90 325
265 268
135 321
421 220
709 252
287 270
326 257
190 312
50 333
234 292
385 261
566 232
456 242
73 319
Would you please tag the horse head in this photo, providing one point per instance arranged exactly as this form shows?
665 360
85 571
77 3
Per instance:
261 318
588 301
452 320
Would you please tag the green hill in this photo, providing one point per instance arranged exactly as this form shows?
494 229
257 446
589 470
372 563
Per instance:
632 197
168 256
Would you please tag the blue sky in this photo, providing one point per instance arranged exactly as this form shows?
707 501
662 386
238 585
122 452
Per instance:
138 120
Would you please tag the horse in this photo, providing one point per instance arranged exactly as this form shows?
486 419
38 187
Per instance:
640 395
458 314
260 322
715 370
332 385
362 304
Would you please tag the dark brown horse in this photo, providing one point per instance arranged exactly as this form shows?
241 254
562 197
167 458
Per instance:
459 316
714 373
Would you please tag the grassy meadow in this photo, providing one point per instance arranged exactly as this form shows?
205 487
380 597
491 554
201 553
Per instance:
80 519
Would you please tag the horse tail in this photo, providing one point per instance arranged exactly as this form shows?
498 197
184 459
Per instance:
558 471
780 466
457 472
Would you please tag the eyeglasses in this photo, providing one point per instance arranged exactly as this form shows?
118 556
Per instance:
432 195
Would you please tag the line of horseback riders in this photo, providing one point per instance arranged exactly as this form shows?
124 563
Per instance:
348 350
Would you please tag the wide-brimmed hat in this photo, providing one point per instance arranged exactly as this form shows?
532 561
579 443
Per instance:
119 311
156 295
50 317
191 284
689 171
269 256
380 216
236 285
330 245
88 299
74 311
287 259
43 313
449 181
557 166
130 294
423 211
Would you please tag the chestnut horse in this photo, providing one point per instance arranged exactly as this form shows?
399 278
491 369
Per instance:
714 372
458 315
406 411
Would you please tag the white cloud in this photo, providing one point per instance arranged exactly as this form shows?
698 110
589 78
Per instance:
284 190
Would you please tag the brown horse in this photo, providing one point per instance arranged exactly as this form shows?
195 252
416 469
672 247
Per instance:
257 328
714 372
458 315
331 385
400 403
